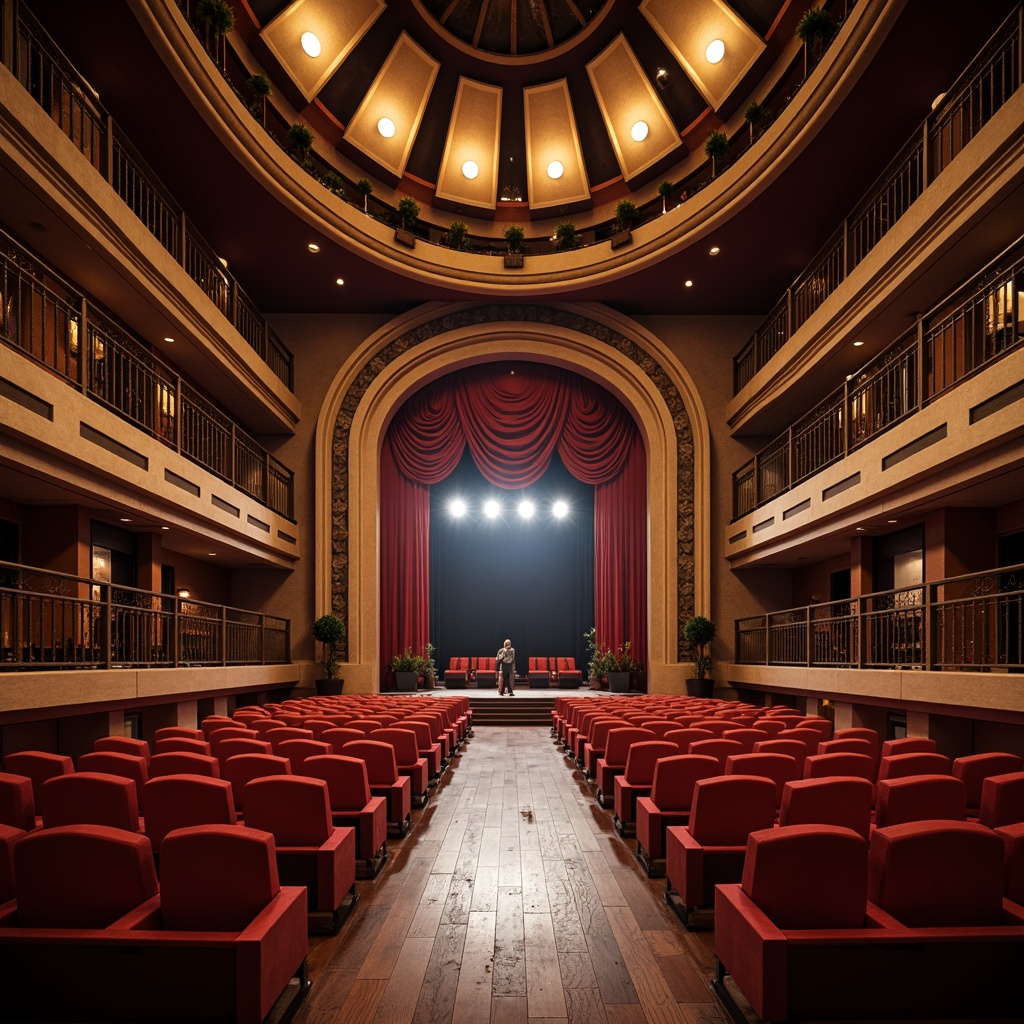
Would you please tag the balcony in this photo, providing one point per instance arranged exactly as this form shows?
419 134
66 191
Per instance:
57 326
965 333
51 621
37 63
981 91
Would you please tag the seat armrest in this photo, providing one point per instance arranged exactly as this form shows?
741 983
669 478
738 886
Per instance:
144 917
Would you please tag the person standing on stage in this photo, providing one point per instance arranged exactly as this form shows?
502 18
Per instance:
505 669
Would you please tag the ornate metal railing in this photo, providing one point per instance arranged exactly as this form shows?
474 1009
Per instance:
50 620
37 62
45 317
987 83
967 331
973 622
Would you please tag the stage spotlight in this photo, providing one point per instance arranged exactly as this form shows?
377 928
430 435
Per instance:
560 509
457 507
491 509
526 509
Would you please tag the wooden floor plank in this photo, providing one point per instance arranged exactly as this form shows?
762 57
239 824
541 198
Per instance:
508 1010
473 996
362 1002
582 995
441 979
398 1004
428 913
383 954
544 993
509 945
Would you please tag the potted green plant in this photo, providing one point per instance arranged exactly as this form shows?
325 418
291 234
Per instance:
458 235
429 668
627 213
365 188
408 668
408 210
716 147
329 631
619 667
664 191
566 236
218 19
698 632
755 114
300 142
816 28
514 238
259 89
333 182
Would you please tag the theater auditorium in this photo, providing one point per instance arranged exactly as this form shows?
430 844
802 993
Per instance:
511 511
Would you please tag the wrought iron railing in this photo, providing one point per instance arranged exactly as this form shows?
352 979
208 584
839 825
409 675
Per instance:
967 331
37 62
50 620
49 320
966 623
987 83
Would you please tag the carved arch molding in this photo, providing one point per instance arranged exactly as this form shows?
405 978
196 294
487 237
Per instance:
564 320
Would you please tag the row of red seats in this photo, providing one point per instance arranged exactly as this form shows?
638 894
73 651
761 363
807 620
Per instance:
542 672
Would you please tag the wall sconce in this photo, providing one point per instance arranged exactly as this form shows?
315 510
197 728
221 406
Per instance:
184 594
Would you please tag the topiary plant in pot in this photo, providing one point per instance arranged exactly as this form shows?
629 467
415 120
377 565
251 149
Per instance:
365 188
259 89
816 28
716 147
755 114
458 235
408 211
514 238
698 632
664 191
627 213
566 236
329 631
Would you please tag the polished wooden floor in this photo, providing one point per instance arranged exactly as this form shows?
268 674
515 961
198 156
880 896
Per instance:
512 901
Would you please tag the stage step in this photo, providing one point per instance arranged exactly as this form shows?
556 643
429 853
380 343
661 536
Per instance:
511 710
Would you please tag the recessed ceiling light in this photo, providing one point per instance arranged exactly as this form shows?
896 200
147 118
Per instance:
313 247
639 131
125 519
457 508
860 529
715 51
892 520
164 527
386 127
470 169
340 280
858 344
714 250
310 44
212 554
555 169
687 284
170 341
560 509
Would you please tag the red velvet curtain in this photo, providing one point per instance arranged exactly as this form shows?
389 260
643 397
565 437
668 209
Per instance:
513 418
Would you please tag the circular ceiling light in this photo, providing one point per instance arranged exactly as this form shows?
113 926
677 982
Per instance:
714 250
170 341
310 44
340 280
687 284
715 51
555 169
313 247
470 169
858 344
639 131
386 127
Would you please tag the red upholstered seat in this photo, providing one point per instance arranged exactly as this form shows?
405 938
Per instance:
718 727
675 778
918 798
167 744
123 745
310 850
126 766
720 748
771 726
597 742
847 745
900 766
80 876
425 746
382 773
89 798
793 748
8 837
568 673
183 763
407 759
17 802
275 737
860 733
38 765
339 736
908 745
973 769
747 737
179 732
823 766
843 801
213 722
296 751
241 769
1013 861
261 726
780 768
1002 800
614 761
938 874
353 805
710 849
683 737
822 725
181 801
637 780
234 745
809 737
229 732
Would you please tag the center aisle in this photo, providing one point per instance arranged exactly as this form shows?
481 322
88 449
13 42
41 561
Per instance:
512 900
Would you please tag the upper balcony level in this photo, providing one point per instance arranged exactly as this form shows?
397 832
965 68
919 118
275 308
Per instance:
74 182
952 194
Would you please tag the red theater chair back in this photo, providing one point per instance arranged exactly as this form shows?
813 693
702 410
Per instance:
89 798
181 801
920 797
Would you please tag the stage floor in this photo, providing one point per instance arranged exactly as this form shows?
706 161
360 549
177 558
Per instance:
522 693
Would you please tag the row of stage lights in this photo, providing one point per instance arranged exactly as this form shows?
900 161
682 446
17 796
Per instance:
492 509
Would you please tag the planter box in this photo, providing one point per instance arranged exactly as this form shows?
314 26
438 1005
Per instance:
406 238
329 687
406 681
513 260
618 682
700 687
621 238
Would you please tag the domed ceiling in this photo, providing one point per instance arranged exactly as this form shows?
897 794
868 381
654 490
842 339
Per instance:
559 104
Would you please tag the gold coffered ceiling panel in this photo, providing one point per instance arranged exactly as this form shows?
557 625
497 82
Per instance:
688 28
626 96
473 134
338 24
551 136
399 92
